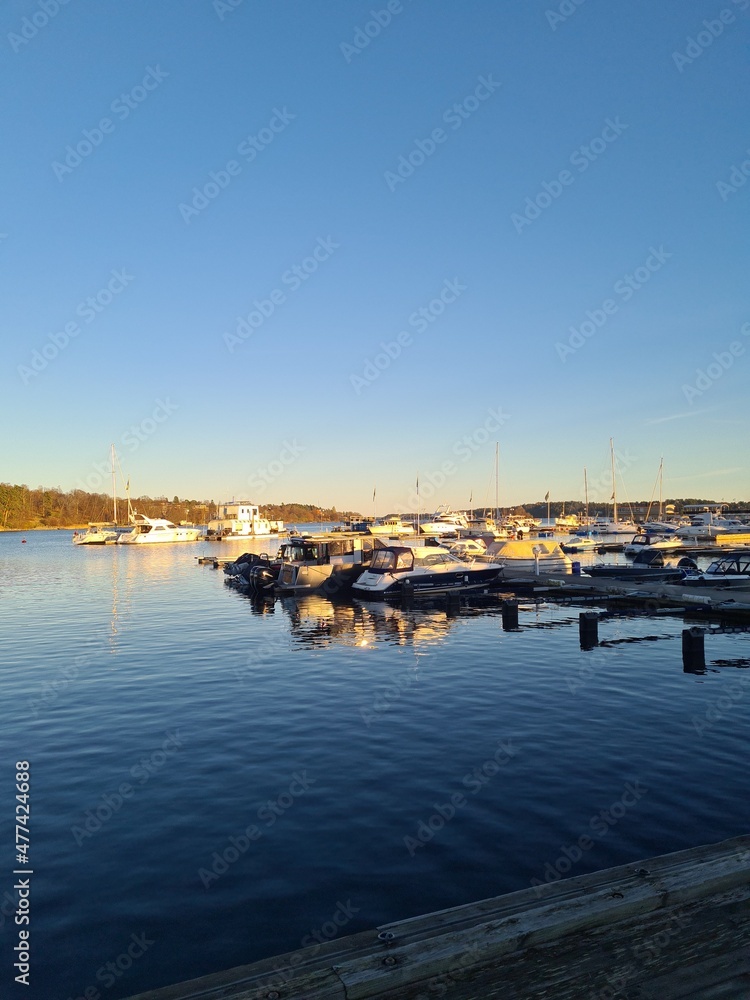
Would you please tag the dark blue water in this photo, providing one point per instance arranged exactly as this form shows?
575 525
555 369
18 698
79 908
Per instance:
370 764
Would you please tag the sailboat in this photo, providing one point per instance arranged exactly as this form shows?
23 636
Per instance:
101 532
613 525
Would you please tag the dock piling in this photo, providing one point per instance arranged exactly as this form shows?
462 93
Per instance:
588 629
693 649
407 594
509 613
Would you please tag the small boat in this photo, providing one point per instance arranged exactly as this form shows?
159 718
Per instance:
425 571
444 522
302 566
731 570
241 519
98 533
391 527
646 566
530 556
579 544
468 548
645 540
151 530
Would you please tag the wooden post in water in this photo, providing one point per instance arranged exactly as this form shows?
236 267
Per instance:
693 649
407 594
509 612
588 629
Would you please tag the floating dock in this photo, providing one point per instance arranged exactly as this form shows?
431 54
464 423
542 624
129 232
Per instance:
670 928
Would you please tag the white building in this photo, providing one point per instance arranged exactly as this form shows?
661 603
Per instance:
238 518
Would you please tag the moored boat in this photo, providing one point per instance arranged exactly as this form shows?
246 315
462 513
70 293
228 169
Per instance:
530 556
391 527
731 570
425 571
97 533
153 530
646 541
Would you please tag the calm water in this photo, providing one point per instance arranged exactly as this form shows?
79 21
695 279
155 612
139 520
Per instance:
319 737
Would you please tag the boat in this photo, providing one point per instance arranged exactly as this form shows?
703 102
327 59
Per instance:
646 566
582 543
709 525
241 519
645 540
731 570
519 526
444 522
303 565
478 527
530 556
391 527
97 533
424 571
468 548
152 530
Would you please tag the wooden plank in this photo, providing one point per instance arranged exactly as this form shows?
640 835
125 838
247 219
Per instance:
581 937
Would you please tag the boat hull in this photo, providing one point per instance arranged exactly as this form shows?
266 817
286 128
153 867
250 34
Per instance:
425 585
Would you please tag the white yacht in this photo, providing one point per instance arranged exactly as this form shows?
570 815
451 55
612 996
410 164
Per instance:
98 533
240 519
645 540
426 570
530 556
709 525
150 530
444 522
391 527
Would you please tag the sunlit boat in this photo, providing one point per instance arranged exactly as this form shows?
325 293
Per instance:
241 519
302 566
444 522
579 544
391 527
645 540
530 556
710 525
426 571
151 530
98 533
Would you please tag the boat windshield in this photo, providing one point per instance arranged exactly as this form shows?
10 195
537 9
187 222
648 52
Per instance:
437 559
390 561
732 566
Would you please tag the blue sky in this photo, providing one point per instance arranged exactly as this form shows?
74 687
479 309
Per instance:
559 165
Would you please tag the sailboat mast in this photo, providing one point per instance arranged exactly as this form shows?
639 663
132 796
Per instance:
614 483
661 483
497 479
114 486
586 492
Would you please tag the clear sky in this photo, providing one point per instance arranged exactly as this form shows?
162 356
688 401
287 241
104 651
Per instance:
214 215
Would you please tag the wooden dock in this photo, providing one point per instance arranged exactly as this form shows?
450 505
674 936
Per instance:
670 928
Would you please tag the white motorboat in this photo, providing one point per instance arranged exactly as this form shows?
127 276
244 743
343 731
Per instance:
579 544
645 540
477 527
240 519
424 571
731 570
151 530
468 548
391 527
709 525
98 533
444 522
535 556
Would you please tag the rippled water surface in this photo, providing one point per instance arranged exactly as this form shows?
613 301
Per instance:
221 781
